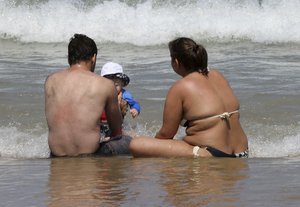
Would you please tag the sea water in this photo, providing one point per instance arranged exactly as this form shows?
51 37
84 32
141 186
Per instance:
255 44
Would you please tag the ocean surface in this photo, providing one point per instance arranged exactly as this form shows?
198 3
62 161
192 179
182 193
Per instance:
255 44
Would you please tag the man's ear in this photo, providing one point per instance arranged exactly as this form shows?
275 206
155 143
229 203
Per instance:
94 58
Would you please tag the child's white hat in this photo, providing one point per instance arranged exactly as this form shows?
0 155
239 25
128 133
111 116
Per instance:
114 70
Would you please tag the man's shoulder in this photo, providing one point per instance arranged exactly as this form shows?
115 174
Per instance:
103 82
55 74
101 85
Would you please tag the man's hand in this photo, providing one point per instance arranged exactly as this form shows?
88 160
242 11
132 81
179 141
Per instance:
123 107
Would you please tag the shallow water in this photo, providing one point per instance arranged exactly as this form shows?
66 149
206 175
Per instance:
123 181
269 115
255 44
264 77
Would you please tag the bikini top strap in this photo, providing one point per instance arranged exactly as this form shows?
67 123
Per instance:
225 115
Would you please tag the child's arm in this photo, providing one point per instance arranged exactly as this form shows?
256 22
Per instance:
134 105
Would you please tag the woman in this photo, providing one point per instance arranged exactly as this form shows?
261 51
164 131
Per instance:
204 98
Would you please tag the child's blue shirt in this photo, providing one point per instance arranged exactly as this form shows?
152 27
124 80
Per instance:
126 95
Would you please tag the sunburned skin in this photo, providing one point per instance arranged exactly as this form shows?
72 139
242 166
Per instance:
205 99
75 99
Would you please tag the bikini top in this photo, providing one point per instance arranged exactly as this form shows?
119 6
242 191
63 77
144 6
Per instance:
225 115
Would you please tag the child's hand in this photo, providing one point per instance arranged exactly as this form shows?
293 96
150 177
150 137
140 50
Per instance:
134 113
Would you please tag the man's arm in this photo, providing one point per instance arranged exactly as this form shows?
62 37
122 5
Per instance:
113 114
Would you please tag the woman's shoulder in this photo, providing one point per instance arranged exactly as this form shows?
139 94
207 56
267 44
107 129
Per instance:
182 85
216 73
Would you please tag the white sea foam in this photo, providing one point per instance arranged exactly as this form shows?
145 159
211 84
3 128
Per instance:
274 140
151 22
17 144
288 146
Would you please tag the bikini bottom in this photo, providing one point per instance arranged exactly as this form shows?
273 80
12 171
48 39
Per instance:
218 153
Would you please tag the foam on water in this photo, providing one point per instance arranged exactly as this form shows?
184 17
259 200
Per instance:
287 146
150 22
17 144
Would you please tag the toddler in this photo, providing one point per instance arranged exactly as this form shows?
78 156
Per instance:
114 72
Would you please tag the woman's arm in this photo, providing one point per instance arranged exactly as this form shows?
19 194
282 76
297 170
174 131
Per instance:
172 113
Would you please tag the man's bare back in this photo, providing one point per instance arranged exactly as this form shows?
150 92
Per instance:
74 101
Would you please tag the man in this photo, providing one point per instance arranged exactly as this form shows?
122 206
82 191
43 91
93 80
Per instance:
74 101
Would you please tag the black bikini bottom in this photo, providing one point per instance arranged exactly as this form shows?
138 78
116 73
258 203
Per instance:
218 153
